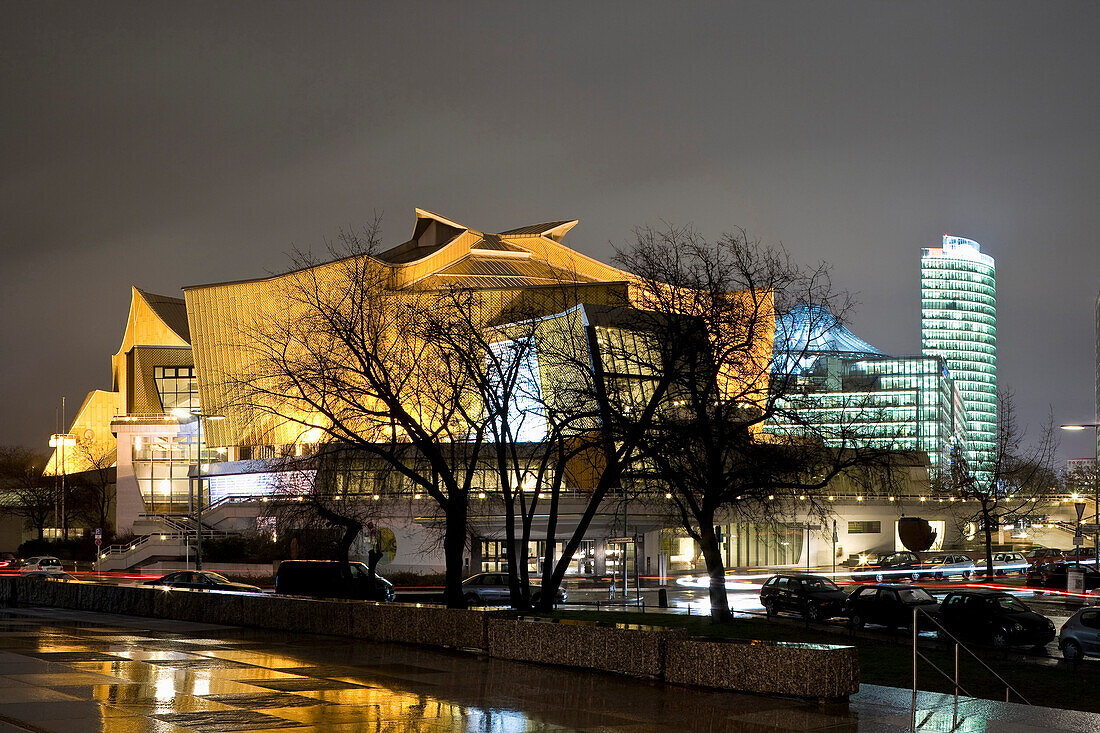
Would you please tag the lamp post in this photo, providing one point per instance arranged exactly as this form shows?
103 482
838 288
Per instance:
1095 483
199 416
62 441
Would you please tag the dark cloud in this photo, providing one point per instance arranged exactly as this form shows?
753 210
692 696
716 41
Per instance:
164 144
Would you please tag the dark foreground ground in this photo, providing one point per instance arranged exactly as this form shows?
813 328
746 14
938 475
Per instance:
72 672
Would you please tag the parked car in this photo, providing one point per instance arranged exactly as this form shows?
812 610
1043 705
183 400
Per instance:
890 605
1041 555
1054 575
46 575
945 566
1082 555
201 580
47 563
994 617
889 565
1007 563
1080 635
8 561
331 579
490 589
815 597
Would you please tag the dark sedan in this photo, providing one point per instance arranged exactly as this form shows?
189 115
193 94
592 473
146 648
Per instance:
890 605
993 617
887 566
201 580
815 597
1055 576
487 589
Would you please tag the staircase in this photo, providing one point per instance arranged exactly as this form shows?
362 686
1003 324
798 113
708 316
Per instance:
171 536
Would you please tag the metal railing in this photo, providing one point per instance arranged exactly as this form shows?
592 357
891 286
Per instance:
1009 689
180 531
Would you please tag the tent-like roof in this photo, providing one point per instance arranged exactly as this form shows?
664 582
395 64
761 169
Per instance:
811 330
442 252
172 311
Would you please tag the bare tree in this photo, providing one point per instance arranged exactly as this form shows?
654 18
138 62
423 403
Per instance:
1011 484
26 491
330 490
707 325
93 488
349 361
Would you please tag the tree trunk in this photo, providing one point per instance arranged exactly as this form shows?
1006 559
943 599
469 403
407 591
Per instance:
716 569
343 548
373 556
454 547
988 542
549 590
513 552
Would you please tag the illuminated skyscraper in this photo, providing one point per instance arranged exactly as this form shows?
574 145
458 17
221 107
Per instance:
959 323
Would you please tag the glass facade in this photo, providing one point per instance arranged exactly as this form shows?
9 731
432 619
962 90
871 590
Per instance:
959 324
160 465
757 544
177 387
494 558
896 403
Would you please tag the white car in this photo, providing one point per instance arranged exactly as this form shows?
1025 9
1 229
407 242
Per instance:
45 563
944 566
1005 563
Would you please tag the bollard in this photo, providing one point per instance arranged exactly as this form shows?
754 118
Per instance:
662 598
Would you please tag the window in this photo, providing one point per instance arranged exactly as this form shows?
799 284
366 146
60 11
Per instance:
176 386
864 527
915 595
818 584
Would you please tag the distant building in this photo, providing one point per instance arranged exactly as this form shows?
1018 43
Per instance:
848 389
1079 464
959 324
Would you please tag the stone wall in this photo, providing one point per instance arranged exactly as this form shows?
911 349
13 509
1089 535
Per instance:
784 668
804 670
638 652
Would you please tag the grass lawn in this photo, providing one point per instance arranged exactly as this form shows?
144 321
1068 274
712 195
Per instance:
888 660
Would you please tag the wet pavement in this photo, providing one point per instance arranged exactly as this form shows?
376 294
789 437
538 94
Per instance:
71 672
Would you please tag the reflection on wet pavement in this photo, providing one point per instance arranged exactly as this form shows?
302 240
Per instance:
72 672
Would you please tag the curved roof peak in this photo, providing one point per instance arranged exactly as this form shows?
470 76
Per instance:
432 232
171 311
813 330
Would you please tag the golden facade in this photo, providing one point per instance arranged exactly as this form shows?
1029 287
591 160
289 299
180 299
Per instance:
155 335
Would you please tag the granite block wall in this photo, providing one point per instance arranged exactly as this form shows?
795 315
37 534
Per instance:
803 670
634 652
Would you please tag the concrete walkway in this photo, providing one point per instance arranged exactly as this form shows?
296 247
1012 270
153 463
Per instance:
72 672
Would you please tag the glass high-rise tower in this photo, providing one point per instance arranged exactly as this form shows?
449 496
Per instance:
959 323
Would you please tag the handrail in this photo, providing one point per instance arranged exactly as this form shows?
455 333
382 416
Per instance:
917 610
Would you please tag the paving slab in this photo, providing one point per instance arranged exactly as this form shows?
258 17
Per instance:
72 672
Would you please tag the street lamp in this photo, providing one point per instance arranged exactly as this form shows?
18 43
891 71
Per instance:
199 416
62 441
1095 482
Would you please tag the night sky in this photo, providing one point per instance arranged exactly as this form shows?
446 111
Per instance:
170 144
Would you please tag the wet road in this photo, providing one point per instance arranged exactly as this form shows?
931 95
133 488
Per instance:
70 672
